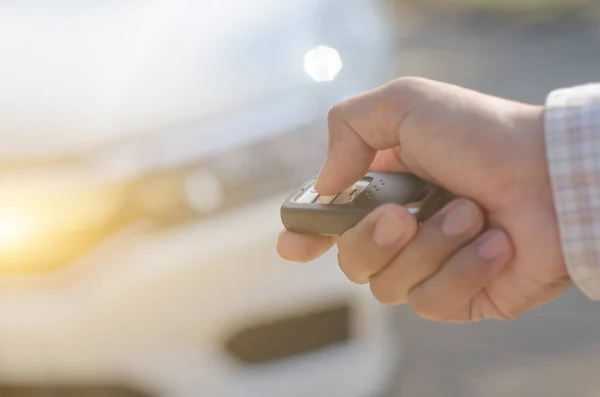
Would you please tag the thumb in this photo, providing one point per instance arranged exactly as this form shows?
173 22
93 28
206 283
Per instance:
359 127
446 134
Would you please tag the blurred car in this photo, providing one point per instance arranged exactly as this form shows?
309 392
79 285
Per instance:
146 148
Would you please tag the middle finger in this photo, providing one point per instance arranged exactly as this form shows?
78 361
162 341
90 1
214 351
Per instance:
437 239
366 248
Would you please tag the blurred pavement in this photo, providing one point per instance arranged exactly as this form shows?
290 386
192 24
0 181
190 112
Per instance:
553 351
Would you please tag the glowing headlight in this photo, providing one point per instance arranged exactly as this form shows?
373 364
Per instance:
39 235
322 63
11 231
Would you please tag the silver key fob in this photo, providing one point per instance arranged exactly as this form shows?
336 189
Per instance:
307 212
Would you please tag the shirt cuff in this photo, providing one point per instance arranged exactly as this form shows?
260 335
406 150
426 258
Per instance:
572 131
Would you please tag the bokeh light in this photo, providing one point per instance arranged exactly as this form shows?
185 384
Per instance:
322 63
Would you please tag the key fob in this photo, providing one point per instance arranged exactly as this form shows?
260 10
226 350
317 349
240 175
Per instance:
307 212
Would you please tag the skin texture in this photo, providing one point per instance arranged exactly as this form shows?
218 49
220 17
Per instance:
494 252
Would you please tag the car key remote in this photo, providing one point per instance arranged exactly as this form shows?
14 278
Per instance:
307 212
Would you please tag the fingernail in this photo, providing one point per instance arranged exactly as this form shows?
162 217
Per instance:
389 229
493 246
460 219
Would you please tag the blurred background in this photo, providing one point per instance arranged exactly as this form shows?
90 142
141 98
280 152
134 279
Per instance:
146 147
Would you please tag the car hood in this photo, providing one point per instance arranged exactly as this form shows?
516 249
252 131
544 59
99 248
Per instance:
78 75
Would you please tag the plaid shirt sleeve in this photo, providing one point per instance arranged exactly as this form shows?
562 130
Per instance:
572 130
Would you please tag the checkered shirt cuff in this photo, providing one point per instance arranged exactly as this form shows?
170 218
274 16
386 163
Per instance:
572 130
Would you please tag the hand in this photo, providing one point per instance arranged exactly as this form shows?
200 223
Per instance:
487 150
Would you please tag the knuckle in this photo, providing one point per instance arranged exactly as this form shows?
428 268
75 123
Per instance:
351 270
506 314
426 310
336 113
384 293
475 311
408 85
490 308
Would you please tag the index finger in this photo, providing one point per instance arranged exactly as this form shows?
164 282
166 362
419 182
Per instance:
303 247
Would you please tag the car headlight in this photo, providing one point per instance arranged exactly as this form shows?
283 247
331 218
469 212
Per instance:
40 233
12 230
322 63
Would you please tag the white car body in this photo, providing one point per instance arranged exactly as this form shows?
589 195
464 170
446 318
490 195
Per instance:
120 91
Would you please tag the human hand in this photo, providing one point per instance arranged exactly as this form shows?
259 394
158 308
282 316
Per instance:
488 151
